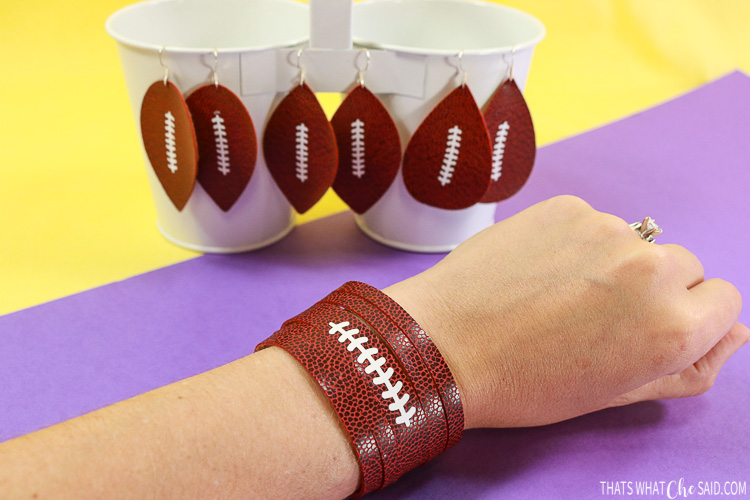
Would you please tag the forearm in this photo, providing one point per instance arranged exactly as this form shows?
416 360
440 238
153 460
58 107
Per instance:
536 327
257 427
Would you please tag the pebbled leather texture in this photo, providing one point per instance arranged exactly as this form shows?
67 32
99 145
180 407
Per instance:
435 430
300 148
448 160
513 142
356 336
411 447
227 146
441 373
369 149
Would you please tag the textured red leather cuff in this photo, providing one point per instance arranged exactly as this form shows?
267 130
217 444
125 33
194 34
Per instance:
386 380
441 374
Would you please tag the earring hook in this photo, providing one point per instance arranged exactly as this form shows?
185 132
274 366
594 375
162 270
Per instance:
367 66
512 65
166 69
216 63
302 71
461 68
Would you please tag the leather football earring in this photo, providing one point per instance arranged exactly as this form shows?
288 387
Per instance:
169 138
299 146
227 147
447 163
368 144
513 141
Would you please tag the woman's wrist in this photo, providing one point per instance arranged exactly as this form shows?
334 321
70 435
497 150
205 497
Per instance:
425 305
338 473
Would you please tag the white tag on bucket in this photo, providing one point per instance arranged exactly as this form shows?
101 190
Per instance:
275 70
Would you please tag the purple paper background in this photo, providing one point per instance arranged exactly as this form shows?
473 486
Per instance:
685 163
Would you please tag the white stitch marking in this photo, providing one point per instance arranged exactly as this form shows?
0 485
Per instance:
376 365
499 150
451 155
301 152
169 141
358 148
222 146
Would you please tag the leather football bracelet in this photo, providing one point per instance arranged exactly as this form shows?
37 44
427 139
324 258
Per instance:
386 380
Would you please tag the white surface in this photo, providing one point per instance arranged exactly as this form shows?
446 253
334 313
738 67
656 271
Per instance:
331 24
211 249
444 26
190 29
332 70
436 31
197 26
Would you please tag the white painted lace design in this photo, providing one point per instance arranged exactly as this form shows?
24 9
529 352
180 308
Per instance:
375 364
169 141
358 148
301 152
222 146
451 155
499 150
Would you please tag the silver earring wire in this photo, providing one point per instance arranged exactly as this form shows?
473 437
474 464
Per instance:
461 68
216 63
367 66
302 71
512 65
166 69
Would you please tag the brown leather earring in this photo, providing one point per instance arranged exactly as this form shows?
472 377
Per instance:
169 138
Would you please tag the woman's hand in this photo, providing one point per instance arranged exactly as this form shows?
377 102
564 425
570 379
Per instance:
562 310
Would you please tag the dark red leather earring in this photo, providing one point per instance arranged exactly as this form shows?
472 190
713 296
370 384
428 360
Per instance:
227 147
447 163
369 147
513 141
299 146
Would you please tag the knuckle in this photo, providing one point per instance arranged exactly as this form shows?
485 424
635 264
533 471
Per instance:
681 324
567 204
675 338
611 226
680 249
646 264
655 264
733 296
599 228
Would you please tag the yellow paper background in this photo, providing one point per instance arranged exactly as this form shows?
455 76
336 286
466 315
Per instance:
75 208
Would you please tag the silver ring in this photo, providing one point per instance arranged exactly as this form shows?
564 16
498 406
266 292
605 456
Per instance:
647 229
